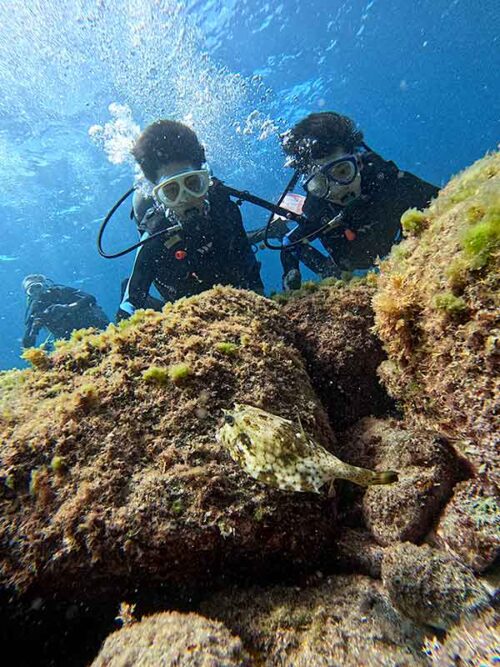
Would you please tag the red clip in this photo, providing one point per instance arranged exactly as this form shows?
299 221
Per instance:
180 254
350 235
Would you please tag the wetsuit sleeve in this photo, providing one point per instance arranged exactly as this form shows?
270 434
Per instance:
32 326
31 332
246 268
143 273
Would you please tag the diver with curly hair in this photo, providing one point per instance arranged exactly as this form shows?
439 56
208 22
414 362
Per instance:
354 200
208 244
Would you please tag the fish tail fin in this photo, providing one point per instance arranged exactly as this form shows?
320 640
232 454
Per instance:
384 477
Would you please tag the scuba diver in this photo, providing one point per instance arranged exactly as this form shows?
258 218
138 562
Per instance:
354 200
207 244
59 309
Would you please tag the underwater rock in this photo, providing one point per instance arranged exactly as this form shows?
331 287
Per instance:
172 638
430 586
438 315
427 470
357 551
469 527
345 621
334 323
474 641
110 474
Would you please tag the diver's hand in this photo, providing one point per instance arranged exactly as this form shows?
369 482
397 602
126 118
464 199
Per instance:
292 280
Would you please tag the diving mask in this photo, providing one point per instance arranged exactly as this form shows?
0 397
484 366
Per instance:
34 289
338 181
182 187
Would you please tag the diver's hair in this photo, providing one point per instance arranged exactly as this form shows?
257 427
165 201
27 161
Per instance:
318 135
166 141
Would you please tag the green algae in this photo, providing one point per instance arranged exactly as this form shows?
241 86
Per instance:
57 464
225 347
481 241
414 222
156 374
451 304
179 372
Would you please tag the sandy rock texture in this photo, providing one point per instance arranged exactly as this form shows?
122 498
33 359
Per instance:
429 586
172 638
469 527
427 469
474 642
111 474
346 621
334 321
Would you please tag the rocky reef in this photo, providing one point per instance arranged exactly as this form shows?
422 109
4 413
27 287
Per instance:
120 507
333 323
171 638
111 471
437 314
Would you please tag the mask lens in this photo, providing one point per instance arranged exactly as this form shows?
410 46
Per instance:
317 185
34 288
343 172
170 191
195 183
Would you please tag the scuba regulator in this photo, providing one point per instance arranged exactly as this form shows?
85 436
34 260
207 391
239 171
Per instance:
240 196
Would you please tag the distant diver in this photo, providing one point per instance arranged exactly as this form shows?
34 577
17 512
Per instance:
207 243
354 200
59 309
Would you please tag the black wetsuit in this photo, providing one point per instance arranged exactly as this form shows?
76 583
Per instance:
211 248
370 224
61 310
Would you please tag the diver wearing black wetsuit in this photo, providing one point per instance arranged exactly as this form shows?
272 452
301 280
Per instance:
370 224
211 248
59 309
347 182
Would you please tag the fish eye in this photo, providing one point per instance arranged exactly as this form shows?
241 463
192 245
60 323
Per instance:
229 419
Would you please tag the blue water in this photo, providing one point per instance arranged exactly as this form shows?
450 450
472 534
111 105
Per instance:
420 78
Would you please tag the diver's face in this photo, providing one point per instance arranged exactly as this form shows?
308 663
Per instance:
339 184
187 202
34 290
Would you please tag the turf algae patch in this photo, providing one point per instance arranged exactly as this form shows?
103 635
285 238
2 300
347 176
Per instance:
343 620
427 472
110 475
430 586
437 313
172 638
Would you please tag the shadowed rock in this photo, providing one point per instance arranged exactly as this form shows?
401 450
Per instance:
429 586
427 470
171 638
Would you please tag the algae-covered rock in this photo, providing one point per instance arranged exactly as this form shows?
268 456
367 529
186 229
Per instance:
172 638
469 527
346 621
334 333
437 313
142 493
429 586
427 470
